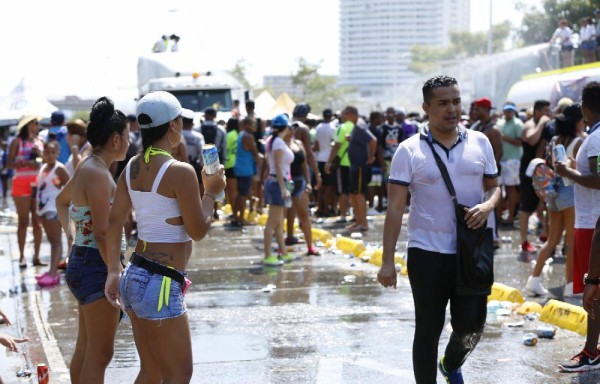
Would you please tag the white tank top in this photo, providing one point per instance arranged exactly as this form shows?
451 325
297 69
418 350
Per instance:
48 189
152 211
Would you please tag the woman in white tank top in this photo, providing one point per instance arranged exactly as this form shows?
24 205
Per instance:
170 215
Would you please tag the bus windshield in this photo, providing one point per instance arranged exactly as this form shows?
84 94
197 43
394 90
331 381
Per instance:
199 100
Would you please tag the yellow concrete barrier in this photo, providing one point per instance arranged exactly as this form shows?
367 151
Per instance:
319 234
565 315
529 307
350 246
250 216
226 209
503 292
262 219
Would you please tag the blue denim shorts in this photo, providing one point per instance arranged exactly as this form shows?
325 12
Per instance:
564 199
273 192
299 186
139 290
86 274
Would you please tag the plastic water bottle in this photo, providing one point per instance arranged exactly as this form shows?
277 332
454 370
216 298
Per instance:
289 184
560 155
210 154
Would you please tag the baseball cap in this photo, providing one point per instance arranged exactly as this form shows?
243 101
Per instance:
301 110
401 111
280 121
484 102
57 117
327 112
187 113
158 108
131 117
510 107
570 113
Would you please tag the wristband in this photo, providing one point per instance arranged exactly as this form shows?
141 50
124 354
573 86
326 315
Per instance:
590 281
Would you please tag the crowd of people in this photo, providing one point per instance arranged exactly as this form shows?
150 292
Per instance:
588 40
91 179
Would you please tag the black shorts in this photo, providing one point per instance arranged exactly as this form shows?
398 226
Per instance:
343 180
359 180
529 200
244 185
229 173
328 179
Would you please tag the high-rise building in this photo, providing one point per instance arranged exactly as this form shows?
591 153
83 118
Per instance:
376 37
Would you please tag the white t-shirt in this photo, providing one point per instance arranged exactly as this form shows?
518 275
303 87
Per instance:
432 218
587 205
278 144
587 32
564 34
324 136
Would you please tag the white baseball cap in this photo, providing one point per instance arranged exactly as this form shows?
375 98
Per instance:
160 107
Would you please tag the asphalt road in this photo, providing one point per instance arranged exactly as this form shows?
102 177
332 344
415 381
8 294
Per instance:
326 321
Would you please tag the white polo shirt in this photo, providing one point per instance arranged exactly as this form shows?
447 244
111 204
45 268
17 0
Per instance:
587 203
432 219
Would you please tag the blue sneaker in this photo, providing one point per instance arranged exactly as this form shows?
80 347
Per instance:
454 377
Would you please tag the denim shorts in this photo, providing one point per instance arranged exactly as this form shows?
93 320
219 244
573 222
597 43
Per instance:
273 192
299 186
86 274
139 290
564 199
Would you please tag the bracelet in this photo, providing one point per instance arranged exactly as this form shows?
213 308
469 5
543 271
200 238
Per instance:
209 195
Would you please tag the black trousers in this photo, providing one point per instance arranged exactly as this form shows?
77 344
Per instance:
433 281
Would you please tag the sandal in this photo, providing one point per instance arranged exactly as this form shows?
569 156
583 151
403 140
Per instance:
38 263
22 264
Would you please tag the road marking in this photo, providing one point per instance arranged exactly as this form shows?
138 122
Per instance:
330 370
56 361
383 368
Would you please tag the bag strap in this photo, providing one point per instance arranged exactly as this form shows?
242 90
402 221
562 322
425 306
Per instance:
444 171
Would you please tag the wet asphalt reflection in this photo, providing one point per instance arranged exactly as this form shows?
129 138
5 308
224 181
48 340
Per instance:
308 322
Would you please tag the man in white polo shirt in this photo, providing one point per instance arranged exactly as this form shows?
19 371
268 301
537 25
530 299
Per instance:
469 157
587 211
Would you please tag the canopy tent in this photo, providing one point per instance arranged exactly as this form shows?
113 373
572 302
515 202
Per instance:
23 100
263 103
284 104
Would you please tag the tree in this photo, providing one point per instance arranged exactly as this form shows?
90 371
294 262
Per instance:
317 90
425 59
539 25
239 72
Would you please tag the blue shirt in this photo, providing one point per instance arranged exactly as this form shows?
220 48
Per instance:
244 160
61 136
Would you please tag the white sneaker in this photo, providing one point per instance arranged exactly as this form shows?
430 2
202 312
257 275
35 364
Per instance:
534 285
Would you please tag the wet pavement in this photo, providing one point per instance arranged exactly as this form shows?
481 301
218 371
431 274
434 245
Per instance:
326 321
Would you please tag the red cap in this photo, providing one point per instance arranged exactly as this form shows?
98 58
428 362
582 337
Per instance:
484 102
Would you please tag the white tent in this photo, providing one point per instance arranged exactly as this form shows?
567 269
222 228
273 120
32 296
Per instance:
21 101
284 104
263 103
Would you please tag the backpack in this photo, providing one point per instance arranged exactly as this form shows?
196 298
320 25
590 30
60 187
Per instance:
544 182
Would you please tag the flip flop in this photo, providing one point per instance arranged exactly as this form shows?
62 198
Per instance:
23 265
39 263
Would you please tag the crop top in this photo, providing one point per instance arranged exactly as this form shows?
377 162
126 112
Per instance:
152 211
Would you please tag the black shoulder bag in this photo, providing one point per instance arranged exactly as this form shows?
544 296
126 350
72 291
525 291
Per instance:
474 247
